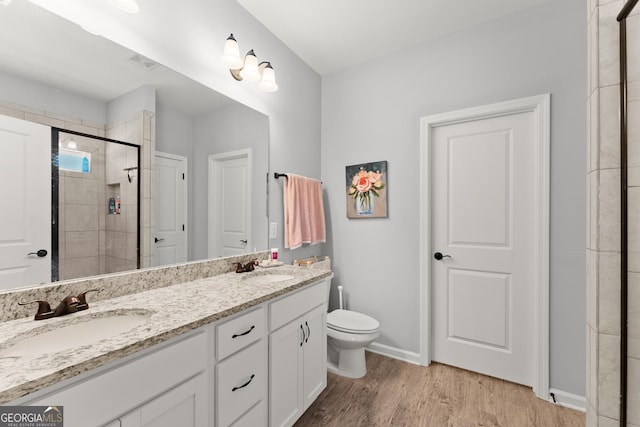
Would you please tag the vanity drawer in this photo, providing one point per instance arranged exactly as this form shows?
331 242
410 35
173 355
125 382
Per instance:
294 305
239 332
256 417
241 382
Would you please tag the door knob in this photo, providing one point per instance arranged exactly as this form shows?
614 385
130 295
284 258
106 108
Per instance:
158 240
438 256
244 241
41 253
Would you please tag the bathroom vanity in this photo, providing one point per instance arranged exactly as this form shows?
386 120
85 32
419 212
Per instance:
243 349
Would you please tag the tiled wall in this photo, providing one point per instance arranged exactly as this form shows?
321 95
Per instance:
603 213
140 130
121 228
81 215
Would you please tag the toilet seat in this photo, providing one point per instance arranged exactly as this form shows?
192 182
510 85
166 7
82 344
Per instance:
351 322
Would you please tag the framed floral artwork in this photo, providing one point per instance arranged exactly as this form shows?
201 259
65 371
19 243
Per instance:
367 190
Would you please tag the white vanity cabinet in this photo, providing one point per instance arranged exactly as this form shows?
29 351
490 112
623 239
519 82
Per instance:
297 353
164 384
176 407
241 372
263 366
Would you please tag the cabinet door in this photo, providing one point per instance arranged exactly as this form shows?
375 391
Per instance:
314 355
285 374
180 406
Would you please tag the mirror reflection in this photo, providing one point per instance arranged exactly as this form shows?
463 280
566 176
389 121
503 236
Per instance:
190 139
95 206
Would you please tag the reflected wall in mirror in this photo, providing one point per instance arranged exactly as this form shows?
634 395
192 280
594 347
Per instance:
54 73
95 198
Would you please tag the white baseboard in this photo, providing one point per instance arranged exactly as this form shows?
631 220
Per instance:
569 400
394 353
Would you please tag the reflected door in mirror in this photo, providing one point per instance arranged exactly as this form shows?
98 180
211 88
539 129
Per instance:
171 209
229 203
25 217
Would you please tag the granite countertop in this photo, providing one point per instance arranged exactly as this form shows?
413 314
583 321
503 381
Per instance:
172 310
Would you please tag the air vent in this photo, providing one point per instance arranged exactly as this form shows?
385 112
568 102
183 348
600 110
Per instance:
142 62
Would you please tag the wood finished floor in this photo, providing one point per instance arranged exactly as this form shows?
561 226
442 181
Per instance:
395 393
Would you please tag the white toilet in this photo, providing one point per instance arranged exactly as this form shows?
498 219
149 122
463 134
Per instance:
348 333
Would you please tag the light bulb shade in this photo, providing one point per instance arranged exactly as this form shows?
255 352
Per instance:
231 55
72 145
250 70
129 6
268 81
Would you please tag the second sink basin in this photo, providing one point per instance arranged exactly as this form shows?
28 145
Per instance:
68 336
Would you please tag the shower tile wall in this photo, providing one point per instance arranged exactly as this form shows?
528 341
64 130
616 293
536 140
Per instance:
139 129
603 216
81 215
121 230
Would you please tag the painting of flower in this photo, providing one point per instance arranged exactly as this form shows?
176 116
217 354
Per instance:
367 190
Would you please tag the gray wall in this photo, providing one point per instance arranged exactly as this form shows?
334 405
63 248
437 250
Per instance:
174 135
221 130
371 112
26 92
228 128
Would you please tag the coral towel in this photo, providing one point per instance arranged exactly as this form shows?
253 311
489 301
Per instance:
303 211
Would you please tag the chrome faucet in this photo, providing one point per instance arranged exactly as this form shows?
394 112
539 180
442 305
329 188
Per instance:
68 305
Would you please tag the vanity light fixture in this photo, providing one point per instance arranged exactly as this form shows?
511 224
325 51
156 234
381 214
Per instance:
128 6
248 68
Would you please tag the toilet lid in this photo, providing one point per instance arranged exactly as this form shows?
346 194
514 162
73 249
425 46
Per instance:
351 321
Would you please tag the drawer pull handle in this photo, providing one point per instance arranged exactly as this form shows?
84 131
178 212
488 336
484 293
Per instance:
303 335
308 332
245 384
244 333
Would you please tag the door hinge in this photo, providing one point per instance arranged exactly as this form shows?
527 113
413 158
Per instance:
182 227
183 177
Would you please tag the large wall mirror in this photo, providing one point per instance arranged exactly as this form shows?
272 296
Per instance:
203 156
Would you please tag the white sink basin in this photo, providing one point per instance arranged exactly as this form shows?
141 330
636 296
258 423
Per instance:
68 336
268 278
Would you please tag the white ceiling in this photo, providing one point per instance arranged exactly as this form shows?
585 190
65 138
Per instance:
38 45
332 35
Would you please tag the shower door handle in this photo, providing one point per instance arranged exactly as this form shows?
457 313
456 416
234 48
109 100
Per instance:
41 253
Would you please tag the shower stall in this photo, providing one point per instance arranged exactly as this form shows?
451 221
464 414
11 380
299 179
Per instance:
95 205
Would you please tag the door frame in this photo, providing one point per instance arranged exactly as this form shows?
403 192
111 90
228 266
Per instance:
213 217
185 188
540 107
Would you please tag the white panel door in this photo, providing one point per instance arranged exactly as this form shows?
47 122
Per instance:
483 225
171 209
230 204
25 219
